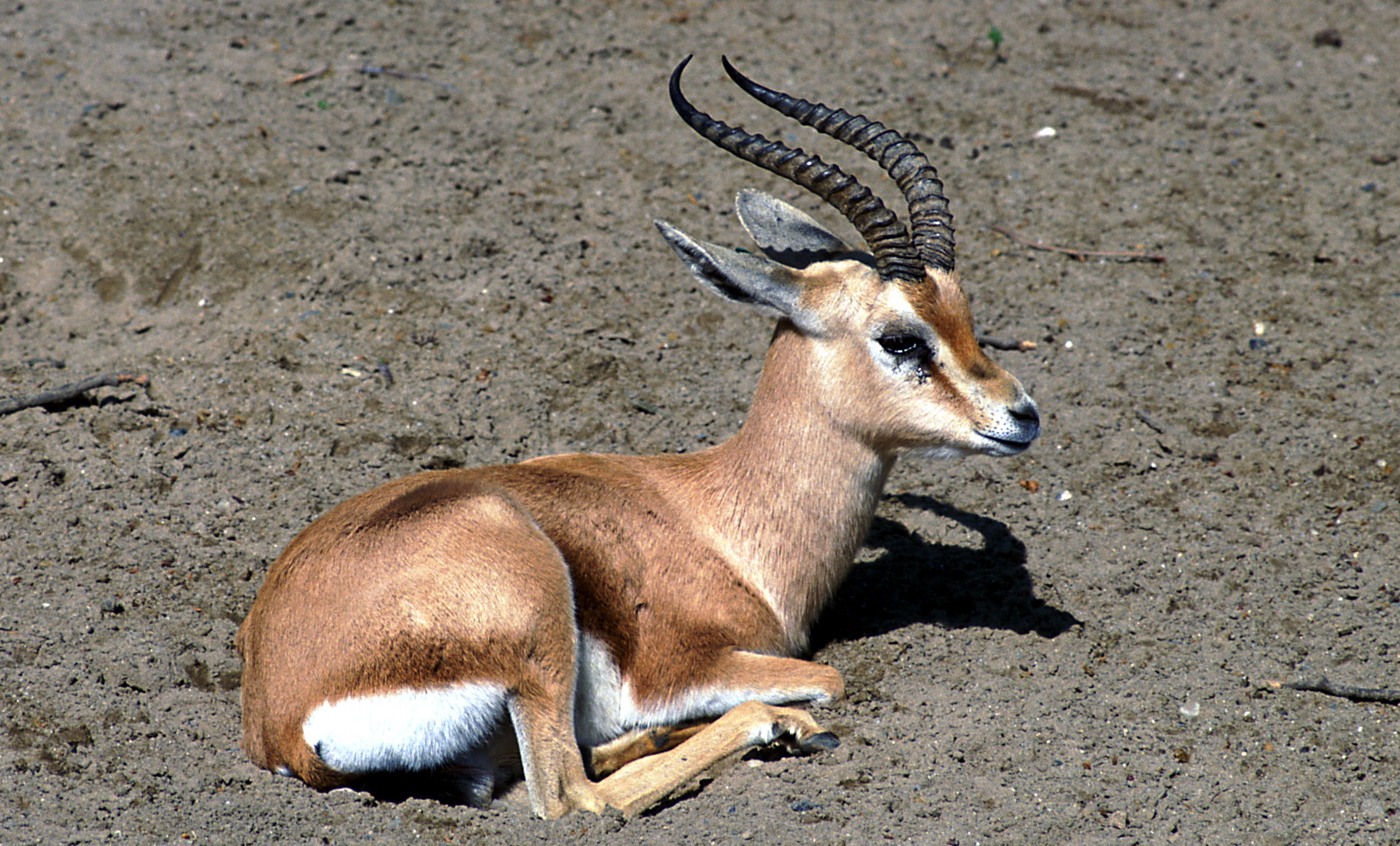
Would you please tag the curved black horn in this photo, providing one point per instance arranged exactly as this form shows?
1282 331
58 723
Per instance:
895 257
929 218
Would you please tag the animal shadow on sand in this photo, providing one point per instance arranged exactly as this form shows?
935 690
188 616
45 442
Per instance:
956 587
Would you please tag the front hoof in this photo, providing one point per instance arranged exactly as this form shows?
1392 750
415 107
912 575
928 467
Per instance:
823 742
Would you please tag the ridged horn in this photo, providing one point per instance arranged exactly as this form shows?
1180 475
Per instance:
895 255
929 217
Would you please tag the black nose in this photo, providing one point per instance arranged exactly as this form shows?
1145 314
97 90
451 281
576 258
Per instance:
1026 415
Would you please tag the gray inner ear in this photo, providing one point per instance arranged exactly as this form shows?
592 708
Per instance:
742 277
786 234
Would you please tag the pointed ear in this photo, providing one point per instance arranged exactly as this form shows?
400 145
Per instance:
743 277
784 233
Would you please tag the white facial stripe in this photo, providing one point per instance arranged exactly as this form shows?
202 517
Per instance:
898 303
908 319
405 730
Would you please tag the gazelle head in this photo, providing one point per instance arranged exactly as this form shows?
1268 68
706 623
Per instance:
892 354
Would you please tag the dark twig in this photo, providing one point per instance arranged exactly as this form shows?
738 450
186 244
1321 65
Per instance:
1151 422
1346 691
1005 343
69 391
1070 251
369 70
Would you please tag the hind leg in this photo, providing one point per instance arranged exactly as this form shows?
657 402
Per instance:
540 694
551 757
473 620
541 707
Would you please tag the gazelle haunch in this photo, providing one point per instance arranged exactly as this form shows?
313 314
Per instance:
648 610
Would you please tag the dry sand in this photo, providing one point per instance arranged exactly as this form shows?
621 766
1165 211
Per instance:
1080 645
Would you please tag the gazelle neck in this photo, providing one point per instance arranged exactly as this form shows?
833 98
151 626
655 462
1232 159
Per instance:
791 495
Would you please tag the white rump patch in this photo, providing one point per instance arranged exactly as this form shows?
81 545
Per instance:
405 730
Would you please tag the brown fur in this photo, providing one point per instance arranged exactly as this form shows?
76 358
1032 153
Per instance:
696 572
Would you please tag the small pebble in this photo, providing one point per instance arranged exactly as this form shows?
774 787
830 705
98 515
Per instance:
1328 37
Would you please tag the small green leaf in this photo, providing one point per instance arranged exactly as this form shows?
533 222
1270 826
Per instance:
994 35
322 104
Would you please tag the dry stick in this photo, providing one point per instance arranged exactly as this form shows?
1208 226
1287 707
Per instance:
1036 245
369 70
1346 691
308 76
1151 422
69 391
1005 343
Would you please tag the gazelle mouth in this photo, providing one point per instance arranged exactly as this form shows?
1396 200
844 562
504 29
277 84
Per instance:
1009 445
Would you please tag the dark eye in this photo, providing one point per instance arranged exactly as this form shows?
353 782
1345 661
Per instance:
902 344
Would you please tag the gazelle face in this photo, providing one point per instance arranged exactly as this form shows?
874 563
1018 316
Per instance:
895 358
900 365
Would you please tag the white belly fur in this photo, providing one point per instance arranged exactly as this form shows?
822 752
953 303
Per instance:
605 706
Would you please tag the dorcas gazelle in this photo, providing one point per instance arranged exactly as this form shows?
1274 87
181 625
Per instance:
622 623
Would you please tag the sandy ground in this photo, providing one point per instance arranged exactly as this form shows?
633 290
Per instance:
345 280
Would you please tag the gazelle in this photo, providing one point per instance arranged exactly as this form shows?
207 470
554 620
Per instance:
648 610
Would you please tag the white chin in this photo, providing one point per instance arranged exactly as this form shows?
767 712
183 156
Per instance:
1000 450
941 451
